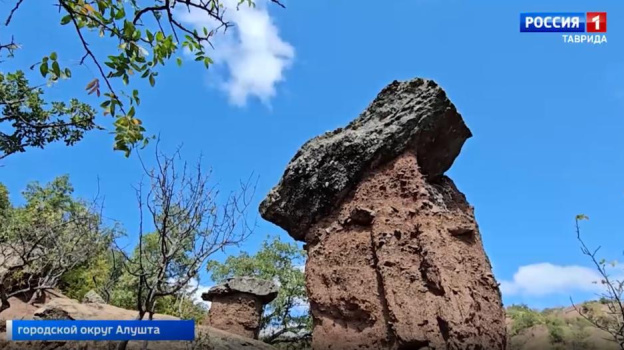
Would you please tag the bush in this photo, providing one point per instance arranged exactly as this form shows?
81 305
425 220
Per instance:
523 318
555 332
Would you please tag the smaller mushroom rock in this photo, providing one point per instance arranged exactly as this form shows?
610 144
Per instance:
237 304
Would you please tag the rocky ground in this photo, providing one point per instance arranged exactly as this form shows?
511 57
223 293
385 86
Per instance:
57 306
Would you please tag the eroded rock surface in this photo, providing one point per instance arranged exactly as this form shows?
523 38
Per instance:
395 258
237 305
413 115
263 289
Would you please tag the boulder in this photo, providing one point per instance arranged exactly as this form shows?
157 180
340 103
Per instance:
263 289
414 115
395 257
92 297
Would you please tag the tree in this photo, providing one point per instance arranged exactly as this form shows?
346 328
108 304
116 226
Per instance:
47 237
142 38
612 321
278 261
189 226
123 286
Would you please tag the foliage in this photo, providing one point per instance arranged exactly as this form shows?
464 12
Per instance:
142 37
50 235
57 241
182 306
125 285
555 331
99 273
564 332
523 318
578 339
279 261
5 204
31 124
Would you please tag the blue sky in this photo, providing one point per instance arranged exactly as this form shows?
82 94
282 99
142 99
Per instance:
546 117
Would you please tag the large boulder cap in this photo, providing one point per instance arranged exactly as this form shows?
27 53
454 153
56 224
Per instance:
265 290
414 115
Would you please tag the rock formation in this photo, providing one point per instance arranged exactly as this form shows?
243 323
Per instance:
395 258
92 297
237 305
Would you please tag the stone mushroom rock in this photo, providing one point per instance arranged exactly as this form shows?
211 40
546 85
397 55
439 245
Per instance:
395 257
237 304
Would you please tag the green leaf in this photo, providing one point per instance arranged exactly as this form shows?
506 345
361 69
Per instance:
582 217
53 56
65 20
67 72
179 61
207 61
150 36
121 13
152 81
43 68
135 96
56 69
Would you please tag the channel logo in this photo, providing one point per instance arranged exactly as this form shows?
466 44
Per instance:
596 22
564 22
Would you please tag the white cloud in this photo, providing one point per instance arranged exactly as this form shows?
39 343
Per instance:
252 54
196 290
548 279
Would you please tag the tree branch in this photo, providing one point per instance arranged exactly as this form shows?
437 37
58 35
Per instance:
13 10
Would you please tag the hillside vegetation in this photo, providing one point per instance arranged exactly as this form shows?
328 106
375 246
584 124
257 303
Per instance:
556 328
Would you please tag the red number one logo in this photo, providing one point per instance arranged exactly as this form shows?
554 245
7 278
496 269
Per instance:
596 22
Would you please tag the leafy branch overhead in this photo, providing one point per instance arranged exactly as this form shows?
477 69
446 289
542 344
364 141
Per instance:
34 125
145 37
